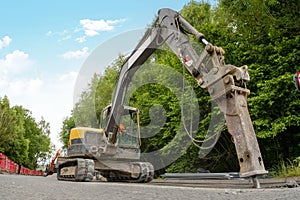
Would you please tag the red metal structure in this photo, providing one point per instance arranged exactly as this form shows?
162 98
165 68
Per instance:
52 164
9 166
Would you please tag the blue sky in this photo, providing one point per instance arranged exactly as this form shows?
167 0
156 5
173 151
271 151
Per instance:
43 45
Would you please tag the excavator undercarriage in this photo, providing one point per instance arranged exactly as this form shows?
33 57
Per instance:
81 169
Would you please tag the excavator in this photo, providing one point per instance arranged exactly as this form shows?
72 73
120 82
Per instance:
51 169
107 152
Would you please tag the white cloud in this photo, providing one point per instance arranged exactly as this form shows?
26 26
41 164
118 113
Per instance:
49 33
44 95
76 54
23 86
88 26
5 41
67 37
69 77
61 33
50 97
81 39
61 36
93 27
15 62
14 67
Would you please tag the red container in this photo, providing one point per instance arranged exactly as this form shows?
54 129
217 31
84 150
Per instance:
3 160
9 166
17 168
12 167
27 171
22 171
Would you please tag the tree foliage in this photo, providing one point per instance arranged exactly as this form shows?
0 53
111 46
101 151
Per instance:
22 139
268 42
97 96
68 124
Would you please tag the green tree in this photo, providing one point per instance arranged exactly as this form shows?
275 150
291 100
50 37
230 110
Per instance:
38 134
7 135
106 84
268 42
64 134
23 140
98 95
14 144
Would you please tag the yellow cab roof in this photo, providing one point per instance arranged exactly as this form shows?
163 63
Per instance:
78 132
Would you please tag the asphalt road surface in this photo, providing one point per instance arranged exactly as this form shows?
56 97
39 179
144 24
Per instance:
37 187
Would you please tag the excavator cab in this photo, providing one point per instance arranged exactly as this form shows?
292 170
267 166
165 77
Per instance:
127 134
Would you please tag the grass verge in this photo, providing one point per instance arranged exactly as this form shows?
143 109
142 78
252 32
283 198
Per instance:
286 169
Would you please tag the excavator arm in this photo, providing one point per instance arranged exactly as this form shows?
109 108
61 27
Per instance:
226 84
52 164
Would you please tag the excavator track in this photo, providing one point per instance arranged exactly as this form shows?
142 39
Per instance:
78 169
145 174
